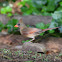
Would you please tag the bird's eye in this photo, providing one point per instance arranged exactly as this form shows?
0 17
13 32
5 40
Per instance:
18 24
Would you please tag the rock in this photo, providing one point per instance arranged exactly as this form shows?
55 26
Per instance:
28 20
4 19
35 47
18 47
33 20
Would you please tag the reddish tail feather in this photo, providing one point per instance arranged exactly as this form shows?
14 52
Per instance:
49 29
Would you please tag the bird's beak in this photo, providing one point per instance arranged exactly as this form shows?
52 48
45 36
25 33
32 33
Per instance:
16 26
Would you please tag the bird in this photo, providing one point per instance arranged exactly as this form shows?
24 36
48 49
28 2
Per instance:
30 32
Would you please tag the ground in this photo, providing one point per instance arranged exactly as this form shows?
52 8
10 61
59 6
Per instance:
8 52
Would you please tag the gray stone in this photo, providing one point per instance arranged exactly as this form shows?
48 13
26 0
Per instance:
27 19
35 47
18 47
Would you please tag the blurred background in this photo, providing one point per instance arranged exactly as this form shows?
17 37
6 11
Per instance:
51 8
33 7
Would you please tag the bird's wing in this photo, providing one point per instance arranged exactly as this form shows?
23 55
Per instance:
34 30
31 31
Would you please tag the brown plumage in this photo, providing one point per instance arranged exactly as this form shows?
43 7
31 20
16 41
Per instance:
30 32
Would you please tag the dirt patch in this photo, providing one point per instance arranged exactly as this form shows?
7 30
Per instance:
14 40
9 53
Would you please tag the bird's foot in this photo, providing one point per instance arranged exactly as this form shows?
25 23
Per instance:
31 40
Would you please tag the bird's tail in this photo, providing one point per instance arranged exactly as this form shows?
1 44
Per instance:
49 29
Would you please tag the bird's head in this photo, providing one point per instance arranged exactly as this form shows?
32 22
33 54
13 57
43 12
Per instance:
20 24
17 25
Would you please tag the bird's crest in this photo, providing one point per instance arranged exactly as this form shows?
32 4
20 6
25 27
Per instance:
20 21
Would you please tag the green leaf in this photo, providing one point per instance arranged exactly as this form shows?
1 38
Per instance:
9 14
8 9
40 25
1 26
47 25
60 3
41 34
22 3
57 16
29 61
51 31
25 41
3 10
10 25
28 25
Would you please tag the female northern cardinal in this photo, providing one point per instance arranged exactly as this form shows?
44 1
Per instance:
30 32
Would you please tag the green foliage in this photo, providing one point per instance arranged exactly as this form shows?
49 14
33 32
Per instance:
17 52
44 26
22 2
6 10
29 61
1 26
30 10
29 51
36 7
9 14
40 25
41 34
51 31
6 51
41 7
60 54
57 20
25 41
10 25
60 3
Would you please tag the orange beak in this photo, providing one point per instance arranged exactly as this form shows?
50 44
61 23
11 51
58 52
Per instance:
16 26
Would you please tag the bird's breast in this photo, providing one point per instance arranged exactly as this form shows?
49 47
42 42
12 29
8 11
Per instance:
30 35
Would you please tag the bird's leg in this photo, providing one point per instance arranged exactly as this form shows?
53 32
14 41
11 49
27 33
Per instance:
32 39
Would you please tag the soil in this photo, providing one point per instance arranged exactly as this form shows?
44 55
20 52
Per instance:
9 54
